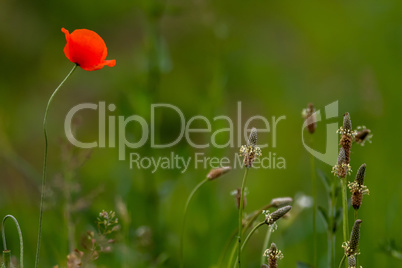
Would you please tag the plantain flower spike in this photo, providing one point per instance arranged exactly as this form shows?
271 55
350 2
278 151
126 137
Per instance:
251 150
357 188
352 261
273 254
217 172
271 218
281 201
352 245
342 168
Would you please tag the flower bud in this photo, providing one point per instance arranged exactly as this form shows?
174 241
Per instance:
281 201
277 214
217 172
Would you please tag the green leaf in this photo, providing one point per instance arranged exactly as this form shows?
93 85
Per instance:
324 215
325 180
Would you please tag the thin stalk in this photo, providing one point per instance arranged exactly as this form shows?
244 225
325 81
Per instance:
249 235
241 207
342 261
266 242
184 219
232 254
246 227
314 185
70 224
226 248
255 216
345 209
42 196
6 259
19 235
331 236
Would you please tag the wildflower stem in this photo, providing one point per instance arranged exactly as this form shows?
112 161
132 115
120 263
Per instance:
232 254
20 237
250 221
249 236
184 219
241 207
251 233
6 259
45 165
226 248
266 242
342 261
345 209
314 185
255 216
331 235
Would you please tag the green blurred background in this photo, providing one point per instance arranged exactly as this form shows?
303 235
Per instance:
203 57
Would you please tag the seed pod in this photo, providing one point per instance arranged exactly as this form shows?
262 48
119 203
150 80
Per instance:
217 172
276 215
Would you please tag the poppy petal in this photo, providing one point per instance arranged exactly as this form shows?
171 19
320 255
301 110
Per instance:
87 49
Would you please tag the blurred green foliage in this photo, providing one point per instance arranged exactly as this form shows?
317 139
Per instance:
203 57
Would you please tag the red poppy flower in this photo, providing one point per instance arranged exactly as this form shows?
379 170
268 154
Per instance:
87 49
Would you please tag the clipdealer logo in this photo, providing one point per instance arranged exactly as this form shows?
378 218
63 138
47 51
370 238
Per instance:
331 147
112 134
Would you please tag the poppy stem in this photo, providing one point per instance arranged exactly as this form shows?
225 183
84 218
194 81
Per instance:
45 165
